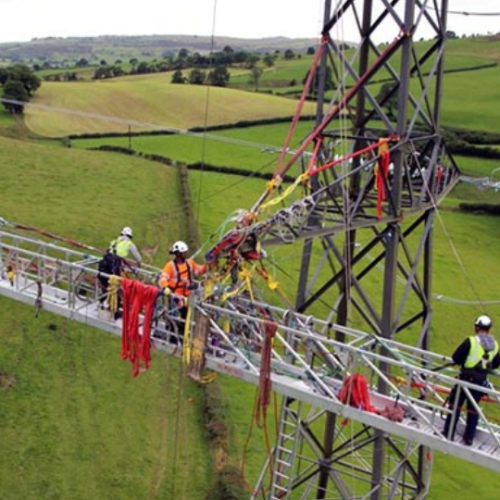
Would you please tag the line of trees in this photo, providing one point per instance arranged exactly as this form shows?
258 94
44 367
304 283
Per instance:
194 61
19 83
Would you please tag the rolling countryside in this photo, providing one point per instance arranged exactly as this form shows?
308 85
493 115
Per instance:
73 422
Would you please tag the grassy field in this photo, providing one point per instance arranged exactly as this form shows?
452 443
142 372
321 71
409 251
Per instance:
116 104
75 424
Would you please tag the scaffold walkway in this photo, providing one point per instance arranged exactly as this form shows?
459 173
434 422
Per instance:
307 362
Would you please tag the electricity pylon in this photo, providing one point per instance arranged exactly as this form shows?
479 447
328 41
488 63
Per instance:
379 167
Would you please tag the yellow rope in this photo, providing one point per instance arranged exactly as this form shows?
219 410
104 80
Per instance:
113 287
208 377
11 275
301 179
186 352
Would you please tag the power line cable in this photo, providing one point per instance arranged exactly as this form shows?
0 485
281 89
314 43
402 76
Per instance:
464 13
207 107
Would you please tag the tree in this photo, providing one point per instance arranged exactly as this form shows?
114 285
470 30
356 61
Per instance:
329 82
254 77
311 51
177 77
197 77
81 63
219 77
252 60
15 91
143 68
22 74
289 54
268 60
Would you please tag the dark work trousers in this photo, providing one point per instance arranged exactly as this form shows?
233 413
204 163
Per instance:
457 399
181 313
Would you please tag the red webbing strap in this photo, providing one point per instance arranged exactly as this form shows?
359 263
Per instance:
53 236
382 173
265 373
314 156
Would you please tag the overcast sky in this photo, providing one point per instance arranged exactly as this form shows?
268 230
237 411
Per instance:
23 20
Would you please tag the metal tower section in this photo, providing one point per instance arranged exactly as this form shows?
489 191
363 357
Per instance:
376 167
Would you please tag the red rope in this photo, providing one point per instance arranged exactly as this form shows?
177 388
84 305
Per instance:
265 373
136 346
354 392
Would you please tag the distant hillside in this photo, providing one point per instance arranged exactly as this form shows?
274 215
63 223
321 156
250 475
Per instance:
112 48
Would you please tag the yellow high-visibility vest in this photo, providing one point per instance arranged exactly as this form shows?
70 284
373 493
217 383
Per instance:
476 353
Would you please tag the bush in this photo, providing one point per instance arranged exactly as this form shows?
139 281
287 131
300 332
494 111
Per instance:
480 208
214 411
228 486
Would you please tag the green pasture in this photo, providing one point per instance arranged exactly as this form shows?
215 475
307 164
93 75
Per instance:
470 100
116 105
461 54
255 148
89 196
75 423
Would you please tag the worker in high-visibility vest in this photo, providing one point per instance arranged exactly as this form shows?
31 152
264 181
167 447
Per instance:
178 273
112 263
476 355
177 277
124 247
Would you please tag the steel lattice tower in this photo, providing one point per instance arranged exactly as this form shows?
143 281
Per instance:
367 256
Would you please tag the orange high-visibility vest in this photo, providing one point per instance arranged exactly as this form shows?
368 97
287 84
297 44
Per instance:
179 275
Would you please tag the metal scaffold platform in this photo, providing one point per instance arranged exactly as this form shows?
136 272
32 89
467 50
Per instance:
307 364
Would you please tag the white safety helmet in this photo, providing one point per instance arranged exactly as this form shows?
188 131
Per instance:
127 231
179 247
483 321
